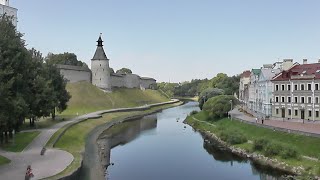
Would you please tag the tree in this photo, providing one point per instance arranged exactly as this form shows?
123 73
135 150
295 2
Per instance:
65 59
124 71
207 94
14 62
219 106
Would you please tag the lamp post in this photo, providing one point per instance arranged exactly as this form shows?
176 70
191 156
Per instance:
231 109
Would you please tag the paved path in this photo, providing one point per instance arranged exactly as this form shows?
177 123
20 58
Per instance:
54 161
308 126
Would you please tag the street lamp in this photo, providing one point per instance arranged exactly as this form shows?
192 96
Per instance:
231 109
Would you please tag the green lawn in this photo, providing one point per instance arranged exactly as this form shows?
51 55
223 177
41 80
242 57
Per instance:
73 140
305 145
20 141
4 160
88 98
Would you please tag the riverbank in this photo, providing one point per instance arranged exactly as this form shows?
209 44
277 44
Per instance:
307 164
74 139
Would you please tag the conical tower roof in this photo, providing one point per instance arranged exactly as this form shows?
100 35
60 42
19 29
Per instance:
100 54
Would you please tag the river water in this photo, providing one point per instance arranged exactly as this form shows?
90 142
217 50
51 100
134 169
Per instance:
161 147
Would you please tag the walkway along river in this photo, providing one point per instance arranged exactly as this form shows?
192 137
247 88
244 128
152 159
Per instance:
161 147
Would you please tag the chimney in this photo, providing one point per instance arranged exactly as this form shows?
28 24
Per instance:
305 61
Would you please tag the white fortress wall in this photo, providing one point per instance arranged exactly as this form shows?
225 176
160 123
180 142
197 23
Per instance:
75 73
148 83
117 80
132 81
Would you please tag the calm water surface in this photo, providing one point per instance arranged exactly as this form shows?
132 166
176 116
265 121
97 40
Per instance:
158 147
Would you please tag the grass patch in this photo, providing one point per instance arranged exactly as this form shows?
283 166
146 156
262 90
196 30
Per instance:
20 142
283 146
73 140
88 98
4 160
46 122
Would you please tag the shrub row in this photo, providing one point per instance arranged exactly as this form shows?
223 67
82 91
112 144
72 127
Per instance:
232 137
270 148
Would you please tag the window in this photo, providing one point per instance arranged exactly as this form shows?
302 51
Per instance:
289 99
309 87
296 87
100 65
317 113
310 113
282 99
296 99
309 100
289 112
282 87
277 111
296 112
302 87
316 100
277 99
316 87
277 87
302 100
289 87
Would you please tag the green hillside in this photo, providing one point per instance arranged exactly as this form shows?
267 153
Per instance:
88 98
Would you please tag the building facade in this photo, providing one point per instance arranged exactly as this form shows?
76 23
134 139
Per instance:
5 9
253 89
296 92
244 87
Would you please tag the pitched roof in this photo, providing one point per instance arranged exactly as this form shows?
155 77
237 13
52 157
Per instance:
245 74
268 74
100 54
302 71
256 71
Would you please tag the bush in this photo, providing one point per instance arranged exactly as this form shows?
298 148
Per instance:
272 149
260 144
232 137
193 112
289 152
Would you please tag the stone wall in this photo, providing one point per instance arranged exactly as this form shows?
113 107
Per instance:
117 80
75 73
132 81
148 83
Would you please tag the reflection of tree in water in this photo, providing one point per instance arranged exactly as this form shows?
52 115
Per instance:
219 153
267 172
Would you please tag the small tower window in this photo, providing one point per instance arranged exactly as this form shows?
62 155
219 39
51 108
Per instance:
102 69
100 65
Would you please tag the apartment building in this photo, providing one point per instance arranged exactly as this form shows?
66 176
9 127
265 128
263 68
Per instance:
296 92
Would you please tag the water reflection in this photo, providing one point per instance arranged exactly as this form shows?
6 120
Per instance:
171 152
122 134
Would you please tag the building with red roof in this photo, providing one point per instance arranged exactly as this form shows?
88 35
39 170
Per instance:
296 92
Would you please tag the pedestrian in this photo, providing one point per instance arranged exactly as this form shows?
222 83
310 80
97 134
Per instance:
262 120
29 173
256 120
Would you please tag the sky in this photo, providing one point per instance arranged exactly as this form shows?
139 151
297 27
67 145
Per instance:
175 40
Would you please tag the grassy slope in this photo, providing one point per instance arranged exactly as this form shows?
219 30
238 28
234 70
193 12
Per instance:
306 146
4 160
88 98
21 141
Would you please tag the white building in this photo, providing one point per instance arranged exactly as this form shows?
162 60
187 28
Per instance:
261 87
5 9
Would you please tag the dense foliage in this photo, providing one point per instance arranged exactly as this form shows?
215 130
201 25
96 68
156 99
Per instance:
29 88
207 94
219 106
65 59
124 71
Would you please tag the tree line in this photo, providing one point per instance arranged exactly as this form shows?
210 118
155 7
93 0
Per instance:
29 87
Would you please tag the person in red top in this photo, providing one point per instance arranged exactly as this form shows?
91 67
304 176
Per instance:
29 173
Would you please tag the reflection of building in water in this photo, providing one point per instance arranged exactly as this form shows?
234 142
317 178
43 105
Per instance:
122 134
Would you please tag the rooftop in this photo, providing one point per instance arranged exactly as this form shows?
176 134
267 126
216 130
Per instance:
301 71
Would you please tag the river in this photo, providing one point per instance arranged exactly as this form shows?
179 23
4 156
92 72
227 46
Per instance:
161 147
